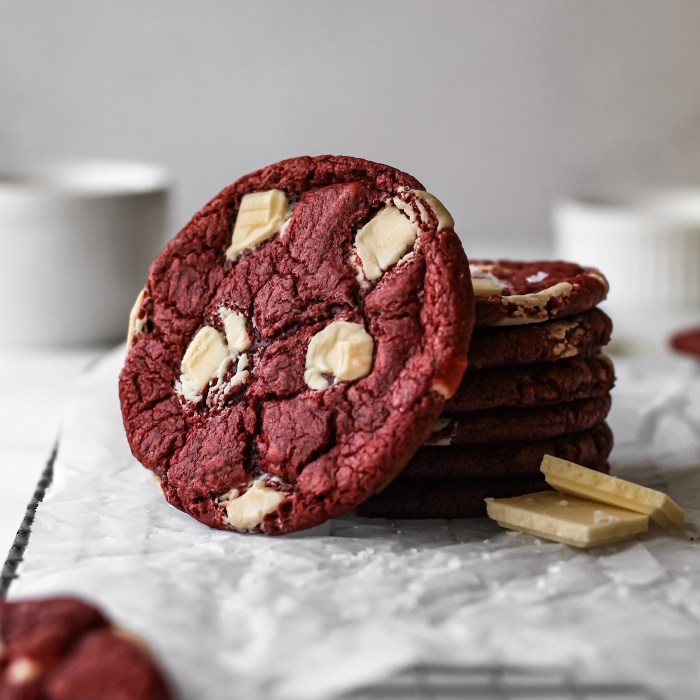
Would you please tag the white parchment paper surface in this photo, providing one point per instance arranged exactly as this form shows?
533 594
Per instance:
318 613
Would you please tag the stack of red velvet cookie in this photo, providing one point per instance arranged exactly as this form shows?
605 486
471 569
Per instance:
301 342
536 384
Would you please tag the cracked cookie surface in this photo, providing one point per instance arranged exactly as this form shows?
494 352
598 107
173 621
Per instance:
287 365
512 292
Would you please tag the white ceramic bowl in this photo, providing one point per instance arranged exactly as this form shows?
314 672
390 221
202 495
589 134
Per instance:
77 239
647 243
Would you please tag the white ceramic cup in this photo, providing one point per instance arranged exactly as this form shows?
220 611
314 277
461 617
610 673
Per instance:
647 243
77 239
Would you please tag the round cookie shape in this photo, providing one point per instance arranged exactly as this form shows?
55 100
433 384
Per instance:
509 459
522 386
510 292
687 342
62 648
508 424
295 343
582 335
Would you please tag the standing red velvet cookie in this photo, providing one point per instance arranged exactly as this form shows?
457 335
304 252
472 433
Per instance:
295 343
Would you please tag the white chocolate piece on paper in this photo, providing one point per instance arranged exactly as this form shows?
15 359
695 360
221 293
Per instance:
342 349
574 521
202 361
568 477
248 511
260 216
384 240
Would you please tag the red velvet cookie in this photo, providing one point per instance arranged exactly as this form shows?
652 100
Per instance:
502 346
514 293
533 385
687 342
511 424
64 649
295 343
455 498
509 459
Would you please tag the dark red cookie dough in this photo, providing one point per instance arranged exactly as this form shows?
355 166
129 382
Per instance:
511 424
687 342
513 292
321 451
502 346
509 459
533 385
463 498
64 649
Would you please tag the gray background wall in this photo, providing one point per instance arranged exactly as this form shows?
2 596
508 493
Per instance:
498 107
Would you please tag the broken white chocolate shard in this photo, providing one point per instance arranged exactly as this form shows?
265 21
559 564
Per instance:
574 521
247 511
384 240
568 477
237 336
341 349
444 218
136 324
260 216
203 360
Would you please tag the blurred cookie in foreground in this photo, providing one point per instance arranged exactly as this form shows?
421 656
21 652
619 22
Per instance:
687 342
62 648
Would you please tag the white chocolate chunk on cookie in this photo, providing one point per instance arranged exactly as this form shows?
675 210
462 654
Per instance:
135 323
260 216
235 328
486 286
245 512
444 218
341 349
533 300
22 671
203 360
384 240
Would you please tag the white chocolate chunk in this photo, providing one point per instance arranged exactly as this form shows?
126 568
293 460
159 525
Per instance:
486 286
575 521
203 360
531 301
135 323
244 512
568 477
22 671
384 240
260 216
444 218
235 328
342 349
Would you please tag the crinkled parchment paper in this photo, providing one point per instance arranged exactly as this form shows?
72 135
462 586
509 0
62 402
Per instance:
348 603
